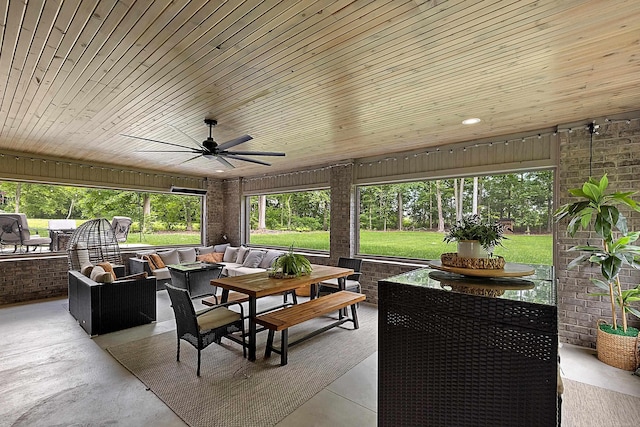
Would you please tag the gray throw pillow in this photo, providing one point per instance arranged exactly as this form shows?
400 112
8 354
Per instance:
242 252
221 248
269 258
187 255
230 254
169 257
205 250
253 258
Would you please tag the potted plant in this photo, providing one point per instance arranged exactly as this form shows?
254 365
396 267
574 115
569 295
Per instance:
290 265
616 346
475 238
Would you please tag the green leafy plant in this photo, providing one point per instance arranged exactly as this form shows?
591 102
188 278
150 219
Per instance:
292 264
616 248
470 227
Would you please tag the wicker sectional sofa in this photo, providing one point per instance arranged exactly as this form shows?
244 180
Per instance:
236 260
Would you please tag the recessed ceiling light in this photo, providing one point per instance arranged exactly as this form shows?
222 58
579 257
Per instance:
471 121
219 170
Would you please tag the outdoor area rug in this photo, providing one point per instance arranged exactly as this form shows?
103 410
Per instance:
235 392
585 405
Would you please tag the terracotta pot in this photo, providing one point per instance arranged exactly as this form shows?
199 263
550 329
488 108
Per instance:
471 249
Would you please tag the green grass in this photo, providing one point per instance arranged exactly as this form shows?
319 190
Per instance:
154 239
533 249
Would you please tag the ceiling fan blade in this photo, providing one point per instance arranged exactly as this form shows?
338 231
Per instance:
235 142
225 162
192 139
246 159
193 158
253 153
155 140
191 150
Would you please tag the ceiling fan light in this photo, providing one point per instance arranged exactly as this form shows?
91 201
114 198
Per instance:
471 121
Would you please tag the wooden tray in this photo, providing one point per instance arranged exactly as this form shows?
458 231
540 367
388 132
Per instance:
509 270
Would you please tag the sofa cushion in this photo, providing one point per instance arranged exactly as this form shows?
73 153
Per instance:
242 253
170 257
269 258
162 274
221 248
187 255
86 270
99 275
106 266
213 257
157 261
239 271
80 254
228 266
230 254
141 254
205 250
253 258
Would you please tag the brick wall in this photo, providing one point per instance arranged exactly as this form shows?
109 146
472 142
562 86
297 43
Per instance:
342 239
28 279
616 152
215 212
232 211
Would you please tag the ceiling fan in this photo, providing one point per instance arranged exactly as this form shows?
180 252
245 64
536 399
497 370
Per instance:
212 150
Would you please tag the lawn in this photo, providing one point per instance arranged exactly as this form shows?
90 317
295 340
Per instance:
532 249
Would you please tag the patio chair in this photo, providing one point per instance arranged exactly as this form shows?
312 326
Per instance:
120 225
351 282
14 230
206 326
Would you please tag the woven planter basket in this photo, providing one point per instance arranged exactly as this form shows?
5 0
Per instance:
617 350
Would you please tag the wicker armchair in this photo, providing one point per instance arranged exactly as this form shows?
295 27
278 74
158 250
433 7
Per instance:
206 326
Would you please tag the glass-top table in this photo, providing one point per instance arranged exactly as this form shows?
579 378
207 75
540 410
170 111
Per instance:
195 277
537 288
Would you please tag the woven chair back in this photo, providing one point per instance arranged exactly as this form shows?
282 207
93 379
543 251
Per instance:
97 238
186 323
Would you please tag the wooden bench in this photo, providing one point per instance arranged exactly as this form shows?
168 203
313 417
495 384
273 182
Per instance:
281 320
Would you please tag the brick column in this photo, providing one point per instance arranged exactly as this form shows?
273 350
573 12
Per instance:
343 213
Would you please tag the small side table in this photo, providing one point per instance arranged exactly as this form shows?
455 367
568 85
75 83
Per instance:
195 277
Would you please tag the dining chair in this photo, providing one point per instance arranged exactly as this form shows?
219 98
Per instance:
351 282
205 326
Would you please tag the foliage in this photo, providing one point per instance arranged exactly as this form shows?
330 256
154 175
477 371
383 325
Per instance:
616 249
471 227
292 264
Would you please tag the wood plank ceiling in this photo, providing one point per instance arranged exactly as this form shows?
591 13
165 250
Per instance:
324 81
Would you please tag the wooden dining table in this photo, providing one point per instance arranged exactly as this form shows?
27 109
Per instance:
258 285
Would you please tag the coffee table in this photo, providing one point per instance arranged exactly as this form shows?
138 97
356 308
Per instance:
259 285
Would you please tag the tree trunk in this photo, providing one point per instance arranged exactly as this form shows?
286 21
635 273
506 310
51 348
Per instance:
400 211
262 207
146 210
18 191
461 198
439 202
187 217
474 209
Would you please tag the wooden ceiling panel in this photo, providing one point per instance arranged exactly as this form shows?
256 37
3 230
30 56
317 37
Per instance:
323 81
